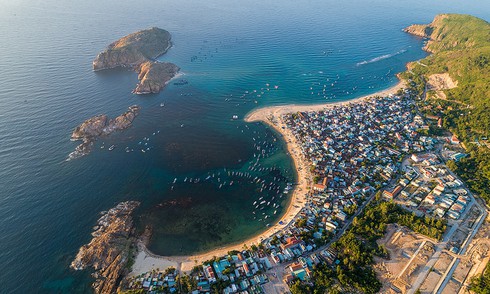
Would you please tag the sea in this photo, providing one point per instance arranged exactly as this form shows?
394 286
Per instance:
204 180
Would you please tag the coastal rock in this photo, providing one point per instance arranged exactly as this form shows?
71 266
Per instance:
92 127
138 51
134 49
98 126
446 32
109 250
419 30
123 121
153 76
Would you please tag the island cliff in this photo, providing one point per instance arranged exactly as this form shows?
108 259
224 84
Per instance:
450 32
153 76
110 249
134 49
98 126
138 52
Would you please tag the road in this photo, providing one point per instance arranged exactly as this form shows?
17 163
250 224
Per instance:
440 246
455 262
433 259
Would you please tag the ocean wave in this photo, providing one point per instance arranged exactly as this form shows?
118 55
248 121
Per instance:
376 59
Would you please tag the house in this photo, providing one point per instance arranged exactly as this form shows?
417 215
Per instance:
457 156
291 242
288 279
454 140
319 187
208 272
391 194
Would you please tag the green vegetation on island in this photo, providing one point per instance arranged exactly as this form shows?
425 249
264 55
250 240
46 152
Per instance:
138 51
134 49
460 47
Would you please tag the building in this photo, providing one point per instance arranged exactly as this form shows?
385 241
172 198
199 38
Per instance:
391 194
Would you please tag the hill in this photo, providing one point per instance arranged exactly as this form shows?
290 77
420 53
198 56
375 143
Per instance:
454 82
138 51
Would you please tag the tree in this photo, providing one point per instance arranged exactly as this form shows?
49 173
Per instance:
452 165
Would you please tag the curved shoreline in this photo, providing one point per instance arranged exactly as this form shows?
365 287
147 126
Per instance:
146 260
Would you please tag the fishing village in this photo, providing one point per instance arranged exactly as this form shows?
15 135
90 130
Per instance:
348 154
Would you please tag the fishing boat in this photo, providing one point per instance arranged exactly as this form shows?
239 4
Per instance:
111 148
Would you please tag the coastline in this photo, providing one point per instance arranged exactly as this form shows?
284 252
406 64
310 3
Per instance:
146 261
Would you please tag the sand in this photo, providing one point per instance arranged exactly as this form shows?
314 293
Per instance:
146 261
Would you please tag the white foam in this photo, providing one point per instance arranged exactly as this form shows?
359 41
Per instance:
376 59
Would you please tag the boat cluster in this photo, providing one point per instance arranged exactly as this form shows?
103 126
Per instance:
143 145
268 193
250 96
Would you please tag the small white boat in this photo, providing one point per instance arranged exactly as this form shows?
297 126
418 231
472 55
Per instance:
235 116
111 148
162 104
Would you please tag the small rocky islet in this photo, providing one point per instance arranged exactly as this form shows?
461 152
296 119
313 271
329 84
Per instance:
100 125
138 52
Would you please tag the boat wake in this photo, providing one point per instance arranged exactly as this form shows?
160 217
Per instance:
382 57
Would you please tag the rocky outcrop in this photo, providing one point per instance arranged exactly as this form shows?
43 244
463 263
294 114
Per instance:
452 31
110 248
138 51
98 126
422 31
134 49
153 76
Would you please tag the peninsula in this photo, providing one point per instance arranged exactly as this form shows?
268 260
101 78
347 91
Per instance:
109 251
138 51
100 125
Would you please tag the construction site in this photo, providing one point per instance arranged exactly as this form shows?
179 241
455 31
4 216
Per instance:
430 266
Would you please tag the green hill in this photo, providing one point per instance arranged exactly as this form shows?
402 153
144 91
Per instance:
460 47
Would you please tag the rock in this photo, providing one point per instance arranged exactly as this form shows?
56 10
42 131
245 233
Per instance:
109 251
419 30
134 49
92 127
98 126
154 76
138 51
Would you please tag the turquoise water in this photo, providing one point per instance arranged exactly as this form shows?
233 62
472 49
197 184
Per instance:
48 206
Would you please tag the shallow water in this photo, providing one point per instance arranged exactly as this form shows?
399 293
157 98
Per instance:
47 87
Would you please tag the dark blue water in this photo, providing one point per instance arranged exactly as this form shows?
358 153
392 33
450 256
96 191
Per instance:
225 48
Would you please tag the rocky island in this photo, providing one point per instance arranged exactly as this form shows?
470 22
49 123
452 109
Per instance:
138 52
153 76
110 249
98 126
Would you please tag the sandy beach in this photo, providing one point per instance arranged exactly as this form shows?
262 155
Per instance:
272 116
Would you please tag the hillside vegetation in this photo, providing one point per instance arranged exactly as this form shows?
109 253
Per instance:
460 46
